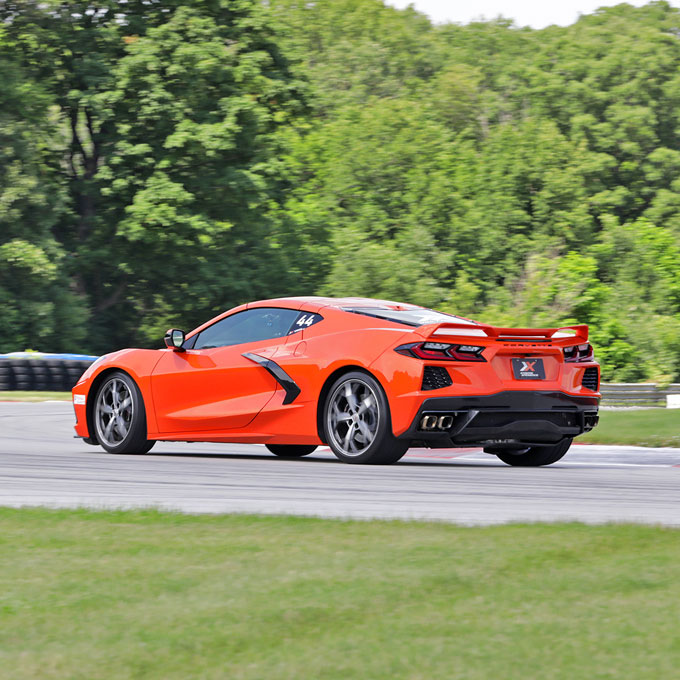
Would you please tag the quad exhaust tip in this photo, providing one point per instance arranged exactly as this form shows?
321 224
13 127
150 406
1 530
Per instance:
433 422
428 422
444 422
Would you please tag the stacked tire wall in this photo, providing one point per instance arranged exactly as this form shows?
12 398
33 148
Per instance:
41 374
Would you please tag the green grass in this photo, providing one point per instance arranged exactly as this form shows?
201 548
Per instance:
87 595
18 395
648 427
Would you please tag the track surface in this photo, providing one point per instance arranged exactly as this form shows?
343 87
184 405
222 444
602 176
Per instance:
41 464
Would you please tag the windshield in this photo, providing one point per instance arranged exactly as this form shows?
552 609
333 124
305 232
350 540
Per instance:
409 317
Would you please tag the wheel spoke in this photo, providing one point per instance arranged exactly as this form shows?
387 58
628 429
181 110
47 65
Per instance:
109 427
348 444
125 403
366 403
340 416
114 393
105 408
120 427
365 431
351 398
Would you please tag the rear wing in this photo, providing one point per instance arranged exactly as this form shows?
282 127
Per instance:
564 336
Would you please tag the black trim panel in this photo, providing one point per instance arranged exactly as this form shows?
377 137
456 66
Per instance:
531 417
281 377
515 400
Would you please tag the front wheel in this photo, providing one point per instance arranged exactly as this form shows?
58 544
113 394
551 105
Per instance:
291 450
120 417
535 456
357 422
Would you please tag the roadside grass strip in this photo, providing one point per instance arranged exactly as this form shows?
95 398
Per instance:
18 395
145 594
647 427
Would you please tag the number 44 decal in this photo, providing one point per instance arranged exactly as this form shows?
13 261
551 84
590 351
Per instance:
304 321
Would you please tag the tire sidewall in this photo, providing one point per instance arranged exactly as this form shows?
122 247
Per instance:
137 430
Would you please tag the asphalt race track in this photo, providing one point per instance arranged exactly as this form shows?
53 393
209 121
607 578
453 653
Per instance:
42 464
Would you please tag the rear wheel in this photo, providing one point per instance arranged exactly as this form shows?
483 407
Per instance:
291 450
120 417
357 422
535 456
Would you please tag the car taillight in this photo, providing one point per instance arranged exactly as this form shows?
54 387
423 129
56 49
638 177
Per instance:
441 351
578 353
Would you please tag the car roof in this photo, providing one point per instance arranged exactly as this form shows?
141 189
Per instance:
352 302
310 303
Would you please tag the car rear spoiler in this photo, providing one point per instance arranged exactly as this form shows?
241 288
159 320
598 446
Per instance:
564 336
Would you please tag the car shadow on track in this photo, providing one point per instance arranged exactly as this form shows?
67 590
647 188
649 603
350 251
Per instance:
310 460
236 456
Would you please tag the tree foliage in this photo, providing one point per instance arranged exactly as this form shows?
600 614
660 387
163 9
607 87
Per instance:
167 152
160 161
36 298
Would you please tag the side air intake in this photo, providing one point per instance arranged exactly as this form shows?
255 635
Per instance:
590 379
436 377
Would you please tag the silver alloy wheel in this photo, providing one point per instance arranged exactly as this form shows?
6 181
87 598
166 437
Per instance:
353 417
113 412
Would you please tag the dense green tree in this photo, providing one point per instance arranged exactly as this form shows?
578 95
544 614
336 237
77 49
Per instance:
161 160
197 103
351 50
168 153
547 142
38 308
392 241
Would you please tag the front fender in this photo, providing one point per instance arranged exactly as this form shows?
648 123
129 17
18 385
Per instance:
137 363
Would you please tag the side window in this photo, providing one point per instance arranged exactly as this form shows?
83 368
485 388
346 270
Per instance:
251 325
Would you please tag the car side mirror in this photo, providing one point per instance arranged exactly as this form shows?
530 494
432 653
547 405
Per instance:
174 339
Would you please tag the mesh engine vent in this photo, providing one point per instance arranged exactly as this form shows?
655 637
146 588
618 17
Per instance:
436 377
590 379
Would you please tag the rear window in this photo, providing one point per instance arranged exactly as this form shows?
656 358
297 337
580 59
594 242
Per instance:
409 317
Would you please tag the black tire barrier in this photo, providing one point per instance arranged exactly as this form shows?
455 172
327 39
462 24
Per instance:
6 380
54 375
58 375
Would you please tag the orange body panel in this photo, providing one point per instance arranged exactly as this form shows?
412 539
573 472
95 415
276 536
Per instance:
138 363
217 394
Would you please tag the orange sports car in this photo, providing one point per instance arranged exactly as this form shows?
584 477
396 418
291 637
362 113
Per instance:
369 378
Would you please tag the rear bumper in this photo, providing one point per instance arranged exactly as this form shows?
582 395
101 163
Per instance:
505 419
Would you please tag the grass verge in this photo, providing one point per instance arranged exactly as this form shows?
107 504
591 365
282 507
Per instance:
648 427
18 395
158 595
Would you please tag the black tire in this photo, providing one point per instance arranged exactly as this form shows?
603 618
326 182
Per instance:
370 432
291 450
120 427
21 369
536 456
7 374
74 370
